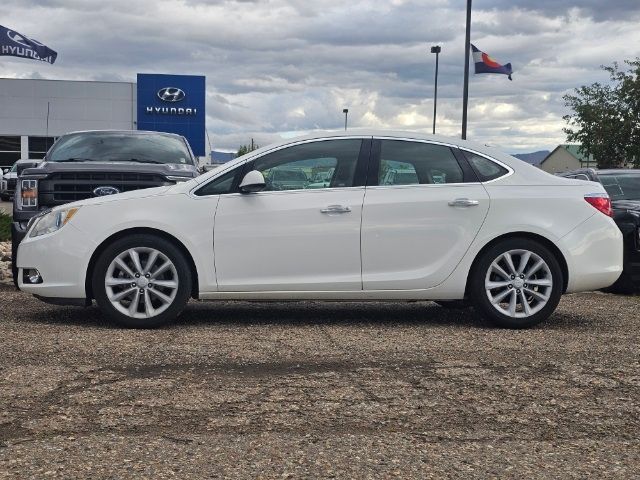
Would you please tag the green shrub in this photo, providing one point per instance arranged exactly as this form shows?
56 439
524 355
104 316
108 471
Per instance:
5 227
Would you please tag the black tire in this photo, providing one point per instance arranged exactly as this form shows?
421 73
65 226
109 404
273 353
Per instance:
4 198
623 286
14 265
142 241
479 296
453 304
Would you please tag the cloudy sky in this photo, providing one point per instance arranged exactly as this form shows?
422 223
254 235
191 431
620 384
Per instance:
274 67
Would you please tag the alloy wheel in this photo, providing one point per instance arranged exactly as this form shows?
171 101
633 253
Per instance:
518 283
141 282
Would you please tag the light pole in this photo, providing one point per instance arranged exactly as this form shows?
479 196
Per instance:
435 49
346 112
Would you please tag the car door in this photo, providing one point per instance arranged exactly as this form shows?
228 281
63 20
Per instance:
289 237
423 207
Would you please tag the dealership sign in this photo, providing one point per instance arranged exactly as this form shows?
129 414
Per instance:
174 104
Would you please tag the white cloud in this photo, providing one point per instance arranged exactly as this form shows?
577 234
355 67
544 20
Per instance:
293 65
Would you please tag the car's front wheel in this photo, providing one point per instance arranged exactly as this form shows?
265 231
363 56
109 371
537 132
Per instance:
142 281
516 283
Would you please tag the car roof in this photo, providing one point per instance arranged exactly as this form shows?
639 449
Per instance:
363 133
526 173
604 171
128 132
618 171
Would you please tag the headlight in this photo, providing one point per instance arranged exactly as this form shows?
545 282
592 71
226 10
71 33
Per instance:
52 221
28 196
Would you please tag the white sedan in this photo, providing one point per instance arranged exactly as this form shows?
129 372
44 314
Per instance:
402 216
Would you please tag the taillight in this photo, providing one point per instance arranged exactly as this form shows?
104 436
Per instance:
600 201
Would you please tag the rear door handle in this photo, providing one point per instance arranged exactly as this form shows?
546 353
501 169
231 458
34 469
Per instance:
336 209
463 202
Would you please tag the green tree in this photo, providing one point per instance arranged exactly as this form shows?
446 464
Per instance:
244 149
605 119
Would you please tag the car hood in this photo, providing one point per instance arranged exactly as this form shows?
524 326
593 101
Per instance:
169 169
133 194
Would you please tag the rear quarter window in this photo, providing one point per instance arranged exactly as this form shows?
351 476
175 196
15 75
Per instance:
485 169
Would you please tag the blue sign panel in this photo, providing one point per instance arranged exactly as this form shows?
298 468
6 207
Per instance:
174 104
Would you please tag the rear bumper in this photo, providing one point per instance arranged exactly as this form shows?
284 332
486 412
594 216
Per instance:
594 253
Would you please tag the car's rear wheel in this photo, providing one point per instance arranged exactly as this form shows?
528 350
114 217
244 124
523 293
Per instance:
142 281
516 283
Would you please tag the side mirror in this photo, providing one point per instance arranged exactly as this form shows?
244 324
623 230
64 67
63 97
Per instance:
24 164
6 170
252 182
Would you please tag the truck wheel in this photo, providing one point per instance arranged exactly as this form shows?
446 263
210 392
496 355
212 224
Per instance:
624 285
142 281
516 283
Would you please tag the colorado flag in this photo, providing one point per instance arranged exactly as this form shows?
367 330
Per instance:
485 64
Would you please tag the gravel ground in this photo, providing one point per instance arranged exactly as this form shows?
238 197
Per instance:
312 390
5 264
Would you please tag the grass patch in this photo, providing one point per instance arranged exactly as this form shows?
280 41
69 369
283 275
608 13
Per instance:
5 227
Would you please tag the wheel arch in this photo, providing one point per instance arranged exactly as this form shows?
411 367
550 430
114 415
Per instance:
557 253
141 230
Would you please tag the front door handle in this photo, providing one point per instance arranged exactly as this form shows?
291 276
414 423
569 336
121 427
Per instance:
463 202
336 209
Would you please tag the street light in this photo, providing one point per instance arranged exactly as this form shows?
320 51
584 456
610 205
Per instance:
435 49
346 112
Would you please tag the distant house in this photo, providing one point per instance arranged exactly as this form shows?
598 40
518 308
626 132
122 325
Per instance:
566 157
534 158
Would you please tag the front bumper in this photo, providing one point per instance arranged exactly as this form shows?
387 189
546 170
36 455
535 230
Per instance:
62 258
632 265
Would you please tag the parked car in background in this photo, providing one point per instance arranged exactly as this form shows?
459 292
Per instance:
623 186
83 165
400 177
286 178
321 179
499 233
8 183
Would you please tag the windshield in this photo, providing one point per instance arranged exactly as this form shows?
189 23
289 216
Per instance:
623 186
120 147
14 168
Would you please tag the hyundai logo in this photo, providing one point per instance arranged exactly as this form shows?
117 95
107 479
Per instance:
103 191
19 39
171 94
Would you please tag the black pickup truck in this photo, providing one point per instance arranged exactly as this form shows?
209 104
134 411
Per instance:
88 164
623 186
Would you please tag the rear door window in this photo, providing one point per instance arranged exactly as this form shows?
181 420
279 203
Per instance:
405 162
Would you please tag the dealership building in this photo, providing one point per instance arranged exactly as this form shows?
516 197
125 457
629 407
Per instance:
34 112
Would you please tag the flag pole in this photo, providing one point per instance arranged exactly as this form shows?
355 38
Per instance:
465 94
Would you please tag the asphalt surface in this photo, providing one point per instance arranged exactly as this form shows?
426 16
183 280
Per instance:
313 390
